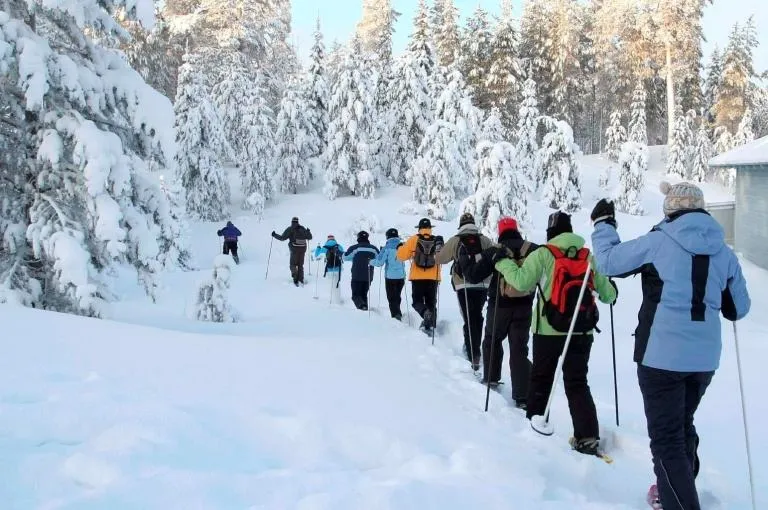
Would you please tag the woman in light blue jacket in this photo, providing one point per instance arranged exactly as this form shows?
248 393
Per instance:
689 277
394 271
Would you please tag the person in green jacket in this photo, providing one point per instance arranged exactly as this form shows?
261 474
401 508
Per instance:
548 343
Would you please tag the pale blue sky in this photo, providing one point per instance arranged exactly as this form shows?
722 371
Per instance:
339 17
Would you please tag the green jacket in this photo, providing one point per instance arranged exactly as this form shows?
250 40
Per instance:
537 269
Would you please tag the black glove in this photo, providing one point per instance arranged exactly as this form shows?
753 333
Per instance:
274 234
496 253
399 245
439 243
616 289
604 211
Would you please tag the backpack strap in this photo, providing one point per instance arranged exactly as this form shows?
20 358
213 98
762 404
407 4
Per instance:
555 251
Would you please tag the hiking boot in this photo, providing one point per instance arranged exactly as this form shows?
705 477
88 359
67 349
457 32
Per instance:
429 318
475 363
398 317
521 403
587 445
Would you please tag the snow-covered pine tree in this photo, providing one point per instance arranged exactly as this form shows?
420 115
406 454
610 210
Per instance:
738 70
633 164
677 161
557 159
151 52
292 143
527 129
410 117
535 41
317 95
724 140
492 130
347 157
200 140
376 28
476 56
615 136
703 152
744 134
258 168
712 82
504 75
498 191
80 132
212 298
446 34
638 132
420 45
380 121
432 176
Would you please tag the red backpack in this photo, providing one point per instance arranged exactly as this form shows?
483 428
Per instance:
567 277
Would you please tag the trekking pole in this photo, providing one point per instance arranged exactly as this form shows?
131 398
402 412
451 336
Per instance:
269 257
615 380
407 306
309 266
493 344
317 277
368 296
469 325
381 274
541 423
744 418
437 308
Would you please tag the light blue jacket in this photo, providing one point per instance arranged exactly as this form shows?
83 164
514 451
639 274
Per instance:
320 251
395 269
688 274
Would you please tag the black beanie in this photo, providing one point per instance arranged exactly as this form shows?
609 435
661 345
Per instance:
362 236
466 219
392 233
559 223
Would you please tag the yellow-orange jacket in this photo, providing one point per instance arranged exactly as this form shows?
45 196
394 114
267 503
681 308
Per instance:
406 252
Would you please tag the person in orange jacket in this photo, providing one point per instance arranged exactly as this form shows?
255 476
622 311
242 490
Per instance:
425 271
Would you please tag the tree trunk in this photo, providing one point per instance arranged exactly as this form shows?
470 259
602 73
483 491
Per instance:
670 94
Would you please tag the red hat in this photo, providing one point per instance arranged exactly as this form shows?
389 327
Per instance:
507 223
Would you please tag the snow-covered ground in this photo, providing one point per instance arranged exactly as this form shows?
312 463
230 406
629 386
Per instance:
307 405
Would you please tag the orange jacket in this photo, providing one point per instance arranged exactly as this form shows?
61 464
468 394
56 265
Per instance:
406 251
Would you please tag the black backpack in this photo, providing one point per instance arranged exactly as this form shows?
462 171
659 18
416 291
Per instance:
332 257
300 236
470 245
424 256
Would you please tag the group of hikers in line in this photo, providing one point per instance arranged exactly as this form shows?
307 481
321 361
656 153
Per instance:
689 278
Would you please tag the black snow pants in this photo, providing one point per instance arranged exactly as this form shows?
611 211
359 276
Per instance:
514 323
230 246
297 262
424 293
546 351
360 293
471 302
394 289
671 399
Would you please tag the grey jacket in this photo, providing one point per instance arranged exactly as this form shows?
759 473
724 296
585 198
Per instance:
450 253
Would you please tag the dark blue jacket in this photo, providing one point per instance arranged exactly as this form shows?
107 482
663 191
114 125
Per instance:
361 255
230 232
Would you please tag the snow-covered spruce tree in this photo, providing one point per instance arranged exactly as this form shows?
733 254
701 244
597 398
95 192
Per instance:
347 157
499 190
410 116
476 56
712 82
380 119
527 128
258 169
375 29
633 164
432 176
615 136
638 131
745 134
317 95
677 161
558 162
492 129
80 132
724 140
200 140
292 143
703 152
420 44
504 76
212 300
445 33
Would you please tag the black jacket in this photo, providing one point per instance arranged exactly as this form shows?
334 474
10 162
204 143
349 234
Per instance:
361 255
478 269
296 235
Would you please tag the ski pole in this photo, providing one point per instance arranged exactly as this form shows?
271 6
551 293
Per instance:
381 273
407 306
469 324
317 277
309 265
487 372
615 380
541 423
368 295
744 418
437 307
269 257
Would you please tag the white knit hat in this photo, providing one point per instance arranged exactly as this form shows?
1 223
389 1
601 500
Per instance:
683 196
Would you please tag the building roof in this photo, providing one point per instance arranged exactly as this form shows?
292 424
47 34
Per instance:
751 154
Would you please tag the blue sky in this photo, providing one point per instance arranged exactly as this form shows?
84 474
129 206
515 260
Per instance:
339 17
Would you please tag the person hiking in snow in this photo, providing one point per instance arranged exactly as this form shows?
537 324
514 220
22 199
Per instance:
394 277
230 233
425 271
472 296
361 255
297 237
509 311
689 276
334 254
561 261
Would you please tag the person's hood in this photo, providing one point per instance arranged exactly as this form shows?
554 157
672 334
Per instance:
696 232
567 240
392 243
229 224
469 228
425 231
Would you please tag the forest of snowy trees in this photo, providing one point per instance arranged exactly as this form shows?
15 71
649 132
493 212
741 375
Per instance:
119 118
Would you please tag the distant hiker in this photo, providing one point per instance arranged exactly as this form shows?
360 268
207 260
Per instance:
394 272
559 264
334 254
230 234
468 242
297 237
689 277
361 255
425 271
509 311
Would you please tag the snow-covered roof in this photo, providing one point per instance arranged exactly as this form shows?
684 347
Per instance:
753 153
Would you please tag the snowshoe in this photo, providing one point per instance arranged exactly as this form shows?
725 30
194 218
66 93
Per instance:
653 497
